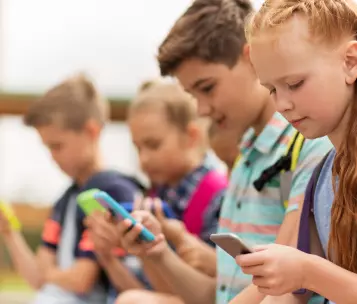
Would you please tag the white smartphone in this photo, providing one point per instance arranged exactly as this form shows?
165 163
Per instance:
231 244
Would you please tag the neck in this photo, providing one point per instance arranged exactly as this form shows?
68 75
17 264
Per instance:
92 168
191 164
265 115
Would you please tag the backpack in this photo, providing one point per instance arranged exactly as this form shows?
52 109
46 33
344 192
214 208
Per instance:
210 185
307 211
213 183
286 164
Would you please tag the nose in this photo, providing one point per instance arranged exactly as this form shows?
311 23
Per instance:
203 108
283 102
144 159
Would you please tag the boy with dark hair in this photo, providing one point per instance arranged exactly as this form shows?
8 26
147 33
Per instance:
69 119
206 51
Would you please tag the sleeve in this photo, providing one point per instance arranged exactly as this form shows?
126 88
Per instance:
312 152
122 190
51 232
211 217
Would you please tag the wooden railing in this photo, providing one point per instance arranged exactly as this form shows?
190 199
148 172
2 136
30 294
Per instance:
17 104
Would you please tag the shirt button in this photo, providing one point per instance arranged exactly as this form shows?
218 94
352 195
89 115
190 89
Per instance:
223 288
239 205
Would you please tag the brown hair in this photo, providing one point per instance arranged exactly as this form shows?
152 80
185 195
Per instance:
329 22
179 106
70 104
210 30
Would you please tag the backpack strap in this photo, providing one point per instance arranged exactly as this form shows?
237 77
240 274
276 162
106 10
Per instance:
286 178
307 209
212 183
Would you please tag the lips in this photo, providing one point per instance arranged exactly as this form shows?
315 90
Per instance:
297 122
221 121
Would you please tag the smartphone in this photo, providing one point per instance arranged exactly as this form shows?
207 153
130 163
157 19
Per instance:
109 203
231 244
166 208
88 203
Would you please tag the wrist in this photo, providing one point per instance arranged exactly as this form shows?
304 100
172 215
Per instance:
9 236
308 262
160 256
106 259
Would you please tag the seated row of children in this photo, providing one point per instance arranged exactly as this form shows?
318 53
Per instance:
207 51
75 264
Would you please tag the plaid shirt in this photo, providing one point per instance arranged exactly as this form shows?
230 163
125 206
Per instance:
178 198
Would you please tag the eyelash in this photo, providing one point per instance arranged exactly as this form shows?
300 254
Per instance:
208 88
296 85
291 87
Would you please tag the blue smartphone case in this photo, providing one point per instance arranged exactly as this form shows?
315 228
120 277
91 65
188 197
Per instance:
108 202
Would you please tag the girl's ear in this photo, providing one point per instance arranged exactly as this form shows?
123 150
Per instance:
93 129
350 61
194 134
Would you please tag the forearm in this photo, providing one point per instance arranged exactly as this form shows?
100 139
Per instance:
119 275
184 279
286 299
24 260
328 280
79 279
250 295
156 279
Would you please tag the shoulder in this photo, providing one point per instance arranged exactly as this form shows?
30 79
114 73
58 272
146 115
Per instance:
116 184
318 147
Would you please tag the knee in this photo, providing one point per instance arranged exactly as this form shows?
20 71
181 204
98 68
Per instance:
131 297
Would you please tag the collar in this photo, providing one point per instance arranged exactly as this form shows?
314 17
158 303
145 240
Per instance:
267 139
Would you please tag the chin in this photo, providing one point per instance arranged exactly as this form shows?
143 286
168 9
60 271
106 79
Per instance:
312 134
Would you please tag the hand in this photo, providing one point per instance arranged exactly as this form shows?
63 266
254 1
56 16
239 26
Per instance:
198 254
174 230
103 232
276 269
129 235
5 227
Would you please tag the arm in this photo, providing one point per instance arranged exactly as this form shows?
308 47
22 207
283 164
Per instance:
118 274
287 233
79 278
311 154
328 280
157 281
174 269
30 266
166 262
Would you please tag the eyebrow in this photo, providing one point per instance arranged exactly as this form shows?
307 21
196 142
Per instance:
282 79
199 82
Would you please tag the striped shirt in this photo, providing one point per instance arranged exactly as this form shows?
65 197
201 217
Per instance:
257 216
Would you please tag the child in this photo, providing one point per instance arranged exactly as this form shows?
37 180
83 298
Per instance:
313 81
172 146
207 51
69 119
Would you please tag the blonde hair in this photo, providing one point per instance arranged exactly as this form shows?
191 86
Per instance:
70 104
178 106
329 22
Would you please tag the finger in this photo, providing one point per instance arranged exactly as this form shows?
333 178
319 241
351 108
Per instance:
147 204
258 248
138 199
260 281
123 227
254 270
132 236
158 209
250 259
